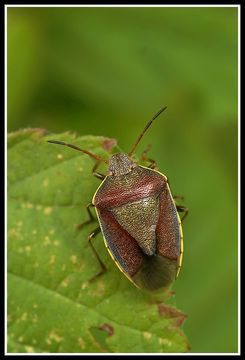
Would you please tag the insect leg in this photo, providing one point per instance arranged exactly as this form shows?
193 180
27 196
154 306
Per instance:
178 197
95 173
144 157
183 209
103 268
91 217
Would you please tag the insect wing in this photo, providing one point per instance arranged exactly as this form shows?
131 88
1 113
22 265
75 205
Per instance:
122 247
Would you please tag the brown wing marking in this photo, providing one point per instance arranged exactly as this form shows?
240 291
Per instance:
168 230
122 246
136 185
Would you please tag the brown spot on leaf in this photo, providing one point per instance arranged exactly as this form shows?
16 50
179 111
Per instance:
170 312
180 320
108 144
107 327
100 334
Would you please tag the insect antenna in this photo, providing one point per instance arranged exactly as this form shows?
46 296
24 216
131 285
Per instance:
77 148
147 126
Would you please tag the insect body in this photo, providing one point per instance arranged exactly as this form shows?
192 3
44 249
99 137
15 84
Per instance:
139 220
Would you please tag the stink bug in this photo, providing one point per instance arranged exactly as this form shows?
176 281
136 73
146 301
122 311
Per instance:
138 218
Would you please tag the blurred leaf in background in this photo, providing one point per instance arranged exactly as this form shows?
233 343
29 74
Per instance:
107 71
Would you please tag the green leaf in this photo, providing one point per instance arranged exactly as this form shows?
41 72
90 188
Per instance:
52 307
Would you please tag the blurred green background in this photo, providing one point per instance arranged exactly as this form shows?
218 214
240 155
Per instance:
107 71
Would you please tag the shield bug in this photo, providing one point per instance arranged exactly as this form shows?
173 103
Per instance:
139 219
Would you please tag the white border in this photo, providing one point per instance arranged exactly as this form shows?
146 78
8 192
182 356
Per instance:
5 175
239 203
123 5
239 174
